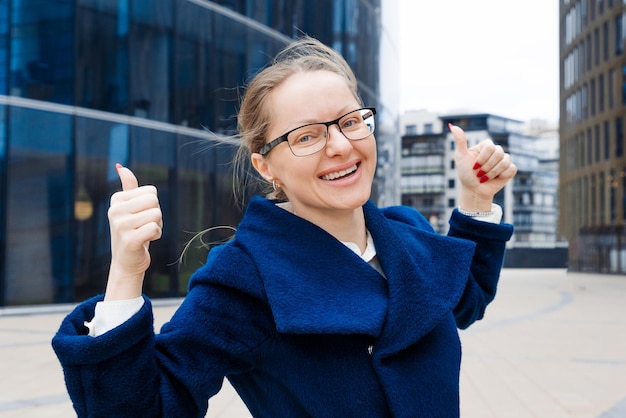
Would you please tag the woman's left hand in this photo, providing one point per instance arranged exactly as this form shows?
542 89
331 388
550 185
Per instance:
483 170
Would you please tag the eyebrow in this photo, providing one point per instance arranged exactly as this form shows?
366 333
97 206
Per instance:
346 109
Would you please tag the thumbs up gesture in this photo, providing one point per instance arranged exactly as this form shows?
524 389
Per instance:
483 170
135 219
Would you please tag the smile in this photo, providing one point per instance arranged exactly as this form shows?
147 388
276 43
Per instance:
339 174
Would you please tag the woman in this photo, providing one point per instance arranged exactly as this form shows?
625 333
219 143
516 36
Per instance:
322 305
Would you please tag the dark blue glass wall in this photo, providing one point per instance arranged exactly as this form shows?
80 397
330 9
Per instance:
88 83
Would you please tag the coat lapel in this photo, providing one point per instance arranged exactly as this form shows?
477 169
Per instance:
426 274
314 283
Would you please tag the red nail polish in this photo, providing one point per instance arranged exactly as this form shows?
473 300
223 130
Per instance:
118 166
450 126
480 173
476 166
484 179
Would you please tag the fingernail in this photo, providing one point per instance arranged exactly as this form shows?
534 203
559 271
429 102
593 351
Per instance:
450 126
476 166
480 173
118 166
484 179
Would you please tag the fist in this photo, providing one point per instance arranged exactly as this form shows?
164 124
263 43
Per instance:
135 220
483 169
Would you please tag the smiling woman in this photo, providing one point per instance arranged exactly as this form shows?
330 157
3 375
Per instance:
322 304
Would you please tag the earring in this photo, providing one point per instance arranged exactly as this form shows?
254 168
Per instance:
274 185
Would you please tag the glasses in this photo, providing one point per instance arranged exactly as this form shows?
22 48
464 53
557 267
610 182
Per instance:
311 138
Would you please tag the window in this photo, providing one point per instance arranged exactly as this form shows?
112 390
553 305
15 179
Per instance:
411 129
612 195
619 137
624 84
592 97
611 83
588 52
593 199
602 197
601 93
605 41
624 194
451 203
451 183
42 222
589 151
596 46
597 140
607 140
619 45
41 55
452 164
428 128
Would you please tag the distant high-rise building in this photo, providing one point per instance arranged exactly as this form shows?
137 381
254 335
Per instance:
88 83
592 149
429 180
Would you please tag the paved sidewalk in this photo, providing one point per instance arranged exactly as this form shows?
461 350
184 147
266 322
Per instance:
553 344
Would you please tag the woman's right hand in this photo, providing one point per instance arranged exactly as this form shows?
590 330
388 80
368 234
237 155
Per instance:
135 219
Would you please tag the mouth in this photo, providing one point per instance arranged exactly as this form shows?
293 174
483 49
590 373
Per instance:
340 174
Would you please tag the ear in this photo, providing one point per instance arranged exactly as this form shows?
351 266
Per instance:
262 166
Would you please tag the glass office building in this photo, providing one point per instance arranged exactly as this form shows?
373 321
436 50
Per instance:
154 85
592 141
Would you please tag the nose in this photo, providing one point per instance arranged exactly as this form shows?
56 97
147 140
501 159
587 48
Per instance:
336 143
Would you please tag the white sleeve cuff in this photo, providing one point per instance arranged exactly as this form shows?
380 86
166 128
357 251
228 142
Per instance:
111 314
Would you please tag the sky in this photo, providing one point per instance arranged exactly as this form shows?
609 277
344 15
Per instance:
492 56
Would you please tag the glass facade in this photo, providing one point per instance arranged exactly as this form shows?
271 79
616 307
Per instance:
85 84
593 111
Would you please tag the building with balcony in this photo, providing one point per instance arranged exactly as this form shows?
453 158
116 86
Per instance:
429 182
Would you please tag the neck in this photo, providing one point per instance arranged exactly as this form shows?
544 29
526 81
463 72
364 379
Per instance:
347 225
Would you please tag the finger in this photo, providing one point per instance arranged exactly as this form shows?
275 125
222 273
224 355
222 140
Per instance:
509 173
139 237
459 138
127 227
490 155
129 195
500 167
129 181
148 232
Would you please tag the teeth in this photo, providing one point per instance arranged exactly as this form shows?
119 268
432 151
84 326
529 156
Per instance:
333 176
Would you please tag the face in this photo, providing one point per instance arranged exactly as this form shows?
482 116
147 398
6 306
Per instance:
337 178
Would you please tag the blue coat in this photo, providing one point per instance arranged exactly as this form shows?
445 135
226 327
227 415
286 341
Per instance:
299 324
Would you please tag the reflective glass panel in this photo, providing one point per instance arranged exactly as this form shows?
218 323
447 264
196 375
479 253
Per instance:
39 208
42 45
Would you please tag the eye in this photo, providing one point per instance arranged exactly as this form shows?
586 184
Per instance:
351 122
303 139
307 135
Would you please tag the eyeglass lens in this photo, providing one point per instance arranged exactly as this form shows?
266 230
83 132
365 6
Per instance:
312 138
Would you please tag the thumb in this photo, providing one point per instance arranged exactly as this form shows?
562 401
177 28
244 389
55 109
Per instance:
129 181
459 138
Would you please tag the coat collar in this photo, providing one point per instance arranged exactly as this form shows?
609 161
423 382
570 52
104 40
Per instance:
315 284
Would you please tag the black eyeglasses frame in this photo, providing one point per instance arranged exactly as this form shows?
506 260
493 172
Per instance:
265 149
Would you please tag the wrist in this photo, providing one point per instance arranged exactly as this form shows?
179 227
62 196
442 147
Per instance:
471 202
123 285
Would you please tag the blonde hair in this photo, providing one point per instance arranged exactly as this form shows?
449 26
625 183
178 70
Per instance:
254 118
